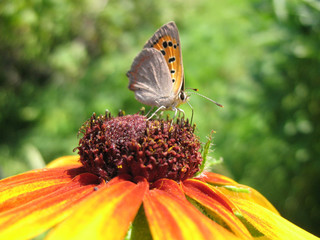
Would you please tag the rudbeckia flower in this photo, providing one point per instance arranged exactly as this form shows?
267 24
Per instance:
136 179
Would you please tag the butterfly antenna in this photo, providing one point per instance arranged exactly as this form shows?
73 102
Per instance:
218 104
194 89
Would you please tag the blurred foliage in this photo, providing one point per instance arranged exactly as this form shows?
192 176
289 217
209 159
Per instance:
62 60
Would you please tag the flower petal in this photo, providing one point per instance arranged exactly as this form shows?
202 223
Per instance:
216 179
34 217
170 217
234 189
199 186
105 215
211 199
270 224
25 187
170 187
247 193
65 161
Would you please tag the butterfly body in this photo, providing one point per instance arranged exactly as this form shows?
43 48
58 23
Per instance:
156 75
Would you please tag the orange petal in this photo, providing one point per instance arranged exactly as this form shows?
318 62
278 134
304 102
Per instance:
34 217
65 161
213 193
28 186
216 179
170 187
270 224
247 193
105 215
173 218
234 189
207 197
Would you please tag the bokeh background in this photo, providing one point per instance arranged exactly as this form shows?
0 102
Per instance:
62 60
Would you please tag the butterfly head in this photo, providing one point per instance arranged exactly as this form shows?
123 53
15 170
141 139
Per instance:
181 98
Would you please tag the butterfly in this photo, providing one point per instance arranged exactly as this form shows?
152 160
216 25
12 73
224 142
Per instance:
156 75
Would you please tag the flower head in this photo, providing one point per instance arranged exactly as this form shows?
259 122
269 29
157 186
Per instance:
132 145
135 179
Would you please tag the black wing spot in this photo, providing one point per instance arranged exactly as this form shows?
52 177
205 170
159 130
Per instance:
173 80
172 59
156 41
163 52
170 44
173 71
165 44
175 46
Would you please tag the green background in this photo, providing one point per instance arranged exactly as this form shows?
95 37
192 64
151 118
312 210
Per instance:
61 60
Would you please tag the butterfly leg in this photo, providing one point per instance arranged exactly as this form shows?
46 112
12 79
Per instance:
180 111
160 115
149 111
191 111
175 113
159 109
176 110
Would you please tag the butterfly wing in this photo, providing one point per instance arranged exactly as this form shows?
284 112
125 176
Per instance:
166 40
150 78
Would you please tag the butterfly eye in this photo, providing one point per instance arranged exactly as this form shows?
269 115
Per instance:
182 96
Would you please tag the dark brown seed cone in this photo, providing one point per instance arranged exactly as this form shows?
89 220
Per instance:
132 145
